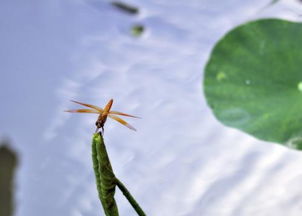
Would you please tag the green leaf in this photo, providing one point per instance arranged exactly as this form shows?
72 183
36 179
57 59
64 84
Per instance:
253 80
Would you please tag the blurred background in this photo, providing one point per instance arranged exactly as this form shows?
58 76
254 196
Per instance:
149 57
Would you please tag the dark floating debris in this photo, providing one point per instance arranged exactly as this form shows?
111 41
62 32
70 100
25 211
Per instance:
8 164
125 7
137 30
274 2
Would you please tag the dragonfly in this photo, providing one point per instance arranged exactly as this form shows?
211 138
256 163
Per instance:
103 114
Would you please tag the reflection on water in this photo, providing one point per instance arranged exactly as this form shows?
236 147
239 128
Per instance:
8 164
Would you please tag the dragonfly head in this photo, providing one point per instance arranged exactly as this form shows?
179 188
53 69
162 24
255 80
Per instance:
98 124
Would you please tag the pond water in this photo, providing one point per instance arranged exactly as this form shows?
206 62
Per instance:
181 161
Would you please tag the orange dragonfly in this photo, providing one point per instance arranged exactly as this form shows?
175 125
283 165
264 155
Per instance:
103 114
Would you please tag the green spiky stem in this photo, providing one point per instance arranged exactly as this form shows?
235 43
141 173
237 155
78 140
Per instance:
96 170
130 198
105 178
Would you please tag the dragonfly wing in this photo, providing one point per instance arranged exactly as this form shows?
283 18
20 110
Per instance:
121 121
123 114
89 105
83 111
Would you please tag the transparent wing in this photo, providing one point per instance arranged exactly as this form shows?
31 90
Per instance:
83 111
123 114
89 105
121 121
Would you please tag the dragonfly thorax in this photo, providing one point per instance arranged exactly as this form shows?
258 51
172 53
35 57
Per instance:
101 121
